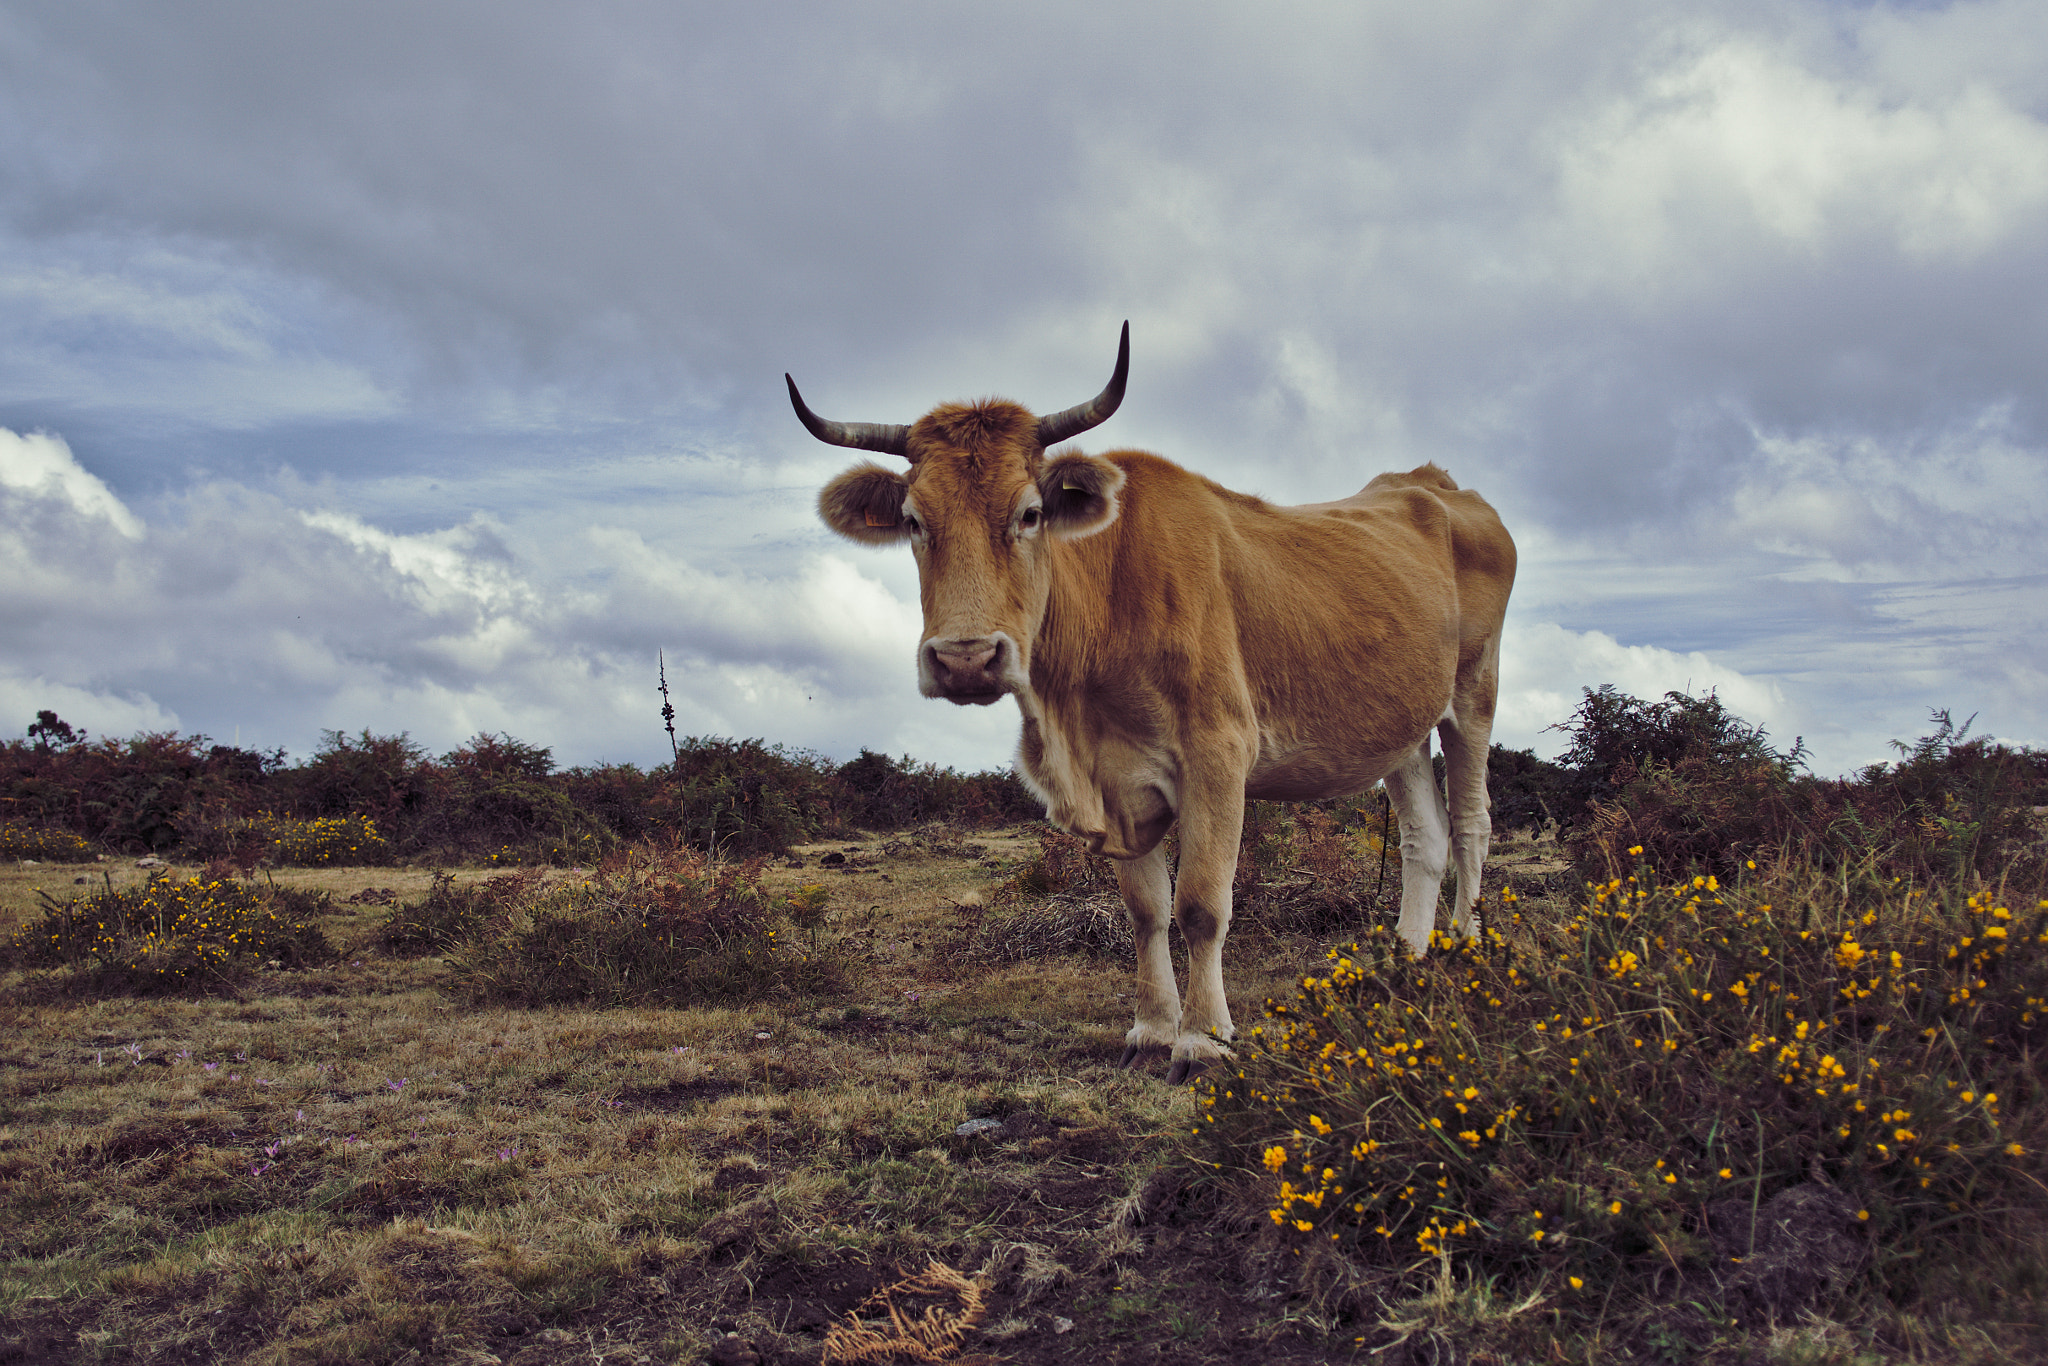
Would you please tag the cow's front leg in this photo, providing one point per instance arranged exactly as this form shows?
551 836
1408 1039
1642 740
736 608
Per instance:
1148 895
1209 832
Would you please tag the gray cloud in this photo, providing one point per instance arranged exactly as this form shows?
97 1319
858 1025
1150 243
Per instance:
1731 311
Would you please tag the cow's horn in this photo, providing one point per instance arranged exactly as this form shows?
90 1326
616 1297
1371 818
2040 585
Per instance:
1060 427
884 437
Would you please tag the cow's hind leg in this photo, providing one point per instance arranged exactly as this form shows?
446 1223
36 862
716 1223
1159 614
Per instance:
1425 844
1148 896
1468 737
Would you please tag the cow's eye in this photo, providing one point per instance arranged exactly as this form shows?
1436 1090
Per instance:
911 524
1029 519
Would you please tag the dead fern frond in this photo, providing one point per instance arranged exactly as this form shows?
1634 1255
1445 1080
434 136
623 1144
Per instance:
956 1307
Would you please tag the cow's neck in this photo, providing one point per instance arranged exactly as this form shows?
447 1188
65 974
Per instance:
1076 748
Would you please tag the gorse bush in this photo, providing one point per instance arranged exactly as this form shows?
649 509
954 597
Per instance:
1620 1091
288 841
167 934
50 846
648 927
325 840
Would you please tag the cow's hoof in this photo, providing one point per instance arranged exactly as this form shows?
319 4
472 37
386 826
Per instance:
1185 1070
1136 1053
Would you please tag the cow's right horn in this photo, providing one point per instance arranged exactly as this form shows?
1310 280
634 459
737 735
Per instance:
885 438
1059 427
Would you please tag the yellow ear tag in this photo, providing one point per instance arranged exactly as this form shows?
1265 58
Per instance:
879 521
1072 488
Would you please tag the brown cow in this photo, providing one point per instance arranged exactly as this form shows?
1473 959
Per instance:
1176 648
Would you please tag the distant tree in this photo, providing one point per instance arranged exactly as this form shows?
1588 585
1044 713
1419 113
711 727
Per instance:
49 731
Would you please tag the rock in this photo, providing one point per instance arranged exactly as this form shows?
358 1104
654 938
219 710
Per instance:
974 1127
733 1350
150 861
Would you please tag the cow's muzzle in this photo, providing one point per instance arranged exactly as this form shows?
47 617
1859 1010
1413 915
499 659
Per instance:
967 671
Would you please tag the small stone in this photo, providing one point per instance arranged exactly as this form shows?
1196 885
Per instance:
1060 1325
977 1126
732 1350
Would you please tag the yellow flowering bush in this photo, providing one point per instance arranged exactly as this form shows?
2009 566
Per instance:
1563 1094
48 846
325 841
167 934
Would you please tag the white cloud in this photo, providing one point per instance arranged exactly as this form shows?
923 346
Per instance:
40 466
1738 139
1545 668
1956 504
103 715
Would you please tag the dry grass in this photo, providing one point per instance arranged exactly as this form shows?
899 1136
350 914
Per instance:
347 1163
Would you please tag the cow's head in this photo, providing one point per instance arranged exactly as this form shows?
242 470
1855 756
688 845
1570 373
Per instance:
981 506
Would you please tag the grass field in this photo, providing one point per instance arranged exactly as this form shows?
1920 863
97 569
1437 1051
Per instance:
354 1162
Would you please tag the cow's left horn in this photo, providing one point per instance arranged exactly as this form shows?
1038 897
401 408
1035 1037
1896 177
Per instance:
884 437
1059 427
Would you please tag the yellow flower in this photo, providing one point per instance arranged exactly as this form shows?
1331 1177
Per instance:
1275 1158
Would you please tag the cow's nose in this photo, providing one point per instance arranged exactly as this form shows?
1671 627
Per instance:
966 657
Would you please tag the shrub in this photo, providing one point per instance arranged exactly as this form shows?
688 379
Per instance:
1580 1099
1527 793
49 846
1063 863
888 794
1953 808
166 934
648 929
746 796
622 798
1615 736
384 777
451 912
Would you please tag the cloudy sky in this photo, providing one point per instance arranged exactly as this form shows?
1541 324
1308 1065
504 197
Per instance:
418 366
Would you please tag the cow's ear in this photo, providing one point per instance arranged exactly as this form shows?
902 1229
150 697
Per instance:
866 504
1080 493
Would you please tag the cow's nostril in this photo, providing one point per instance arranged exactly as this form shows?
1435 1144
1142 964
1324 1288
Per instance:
966 656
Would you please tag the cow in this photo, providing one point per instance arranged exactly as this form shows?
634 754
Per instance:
1176 648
